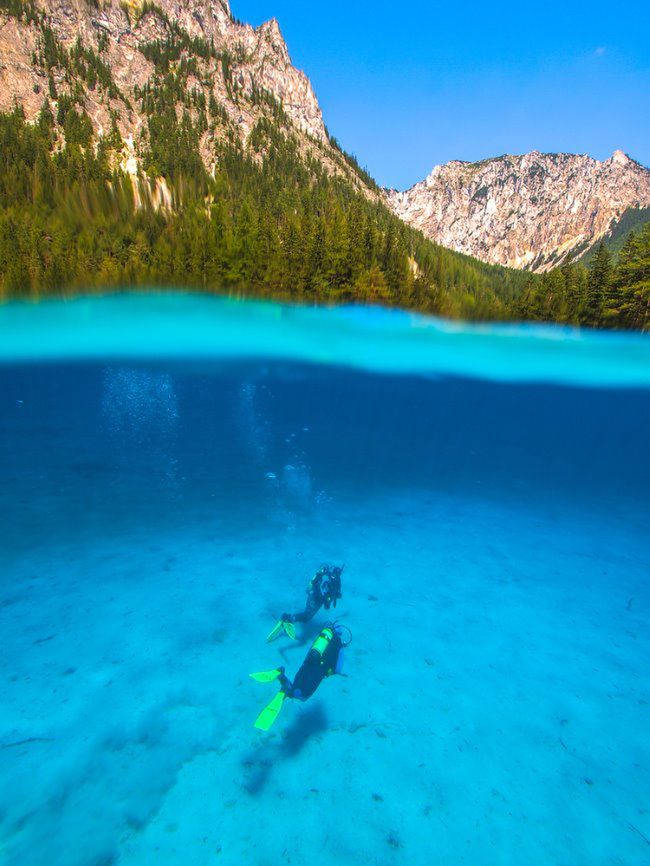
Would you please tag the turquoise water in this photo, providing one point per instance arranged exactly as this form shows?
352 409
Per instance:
174 469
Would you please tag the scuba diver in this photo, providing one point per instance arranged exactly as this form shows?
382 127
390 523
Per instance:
325 658
323 591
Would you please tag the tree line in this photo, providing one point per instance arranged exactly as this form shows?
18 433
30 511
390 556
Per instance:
612 292
269 223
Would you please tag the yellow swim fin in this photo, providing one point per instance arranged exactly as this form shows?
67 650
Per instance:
275 631
289 629
270 712
266 676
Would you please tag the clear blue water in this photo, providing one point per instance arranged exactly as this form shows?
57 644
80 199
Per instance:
173 472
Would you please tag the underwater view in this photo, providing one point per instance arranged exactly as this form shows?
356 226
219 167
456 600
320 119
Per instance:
459 513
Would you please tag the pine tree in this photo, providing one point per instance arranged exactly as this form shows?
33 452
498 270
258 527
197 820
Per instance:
632 281
598 286
575 288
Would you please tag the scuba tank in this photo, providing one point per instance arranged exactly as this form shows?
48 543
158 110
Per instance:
327 646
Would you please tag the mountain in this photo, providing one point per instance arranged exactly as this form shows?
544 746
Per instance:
168 144
531 212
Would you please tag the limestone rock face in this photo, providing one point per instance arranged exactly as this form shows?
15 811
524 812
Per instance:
528 211
238 65
271 67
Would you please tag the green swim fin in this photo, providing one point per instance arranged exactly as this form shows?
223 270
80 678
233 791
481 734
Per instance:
270 712
266 676
282 626
275 631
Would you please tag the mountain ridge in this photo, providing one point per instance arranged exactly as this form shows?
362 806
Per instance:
531 211
245 73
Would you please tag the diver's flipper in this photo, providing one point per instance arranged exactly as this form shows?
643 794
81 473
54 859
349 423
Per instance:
266 676
282 626
270 712
275 631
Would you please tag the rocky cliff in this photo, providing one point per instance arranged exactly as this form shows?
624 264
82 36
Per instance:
529 211
114 59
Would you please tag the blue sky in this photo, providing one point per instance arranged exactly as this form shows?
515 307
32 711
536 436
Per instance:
406 86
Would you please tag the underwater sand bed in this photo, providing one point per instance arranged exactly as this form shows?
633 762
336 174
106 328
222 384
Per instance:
493 706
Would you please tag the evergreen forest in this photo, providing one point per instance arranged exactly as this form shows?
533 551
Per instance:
267 224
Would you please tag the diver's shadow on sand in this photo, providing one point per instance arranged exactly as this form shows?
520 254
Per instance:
259 763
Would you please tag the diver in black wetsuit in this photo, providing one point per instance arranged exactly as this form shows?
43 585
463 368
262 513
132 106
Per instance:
324 590
325 658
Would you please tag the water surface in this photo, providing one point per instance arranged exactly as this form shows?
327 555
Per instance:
173 471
